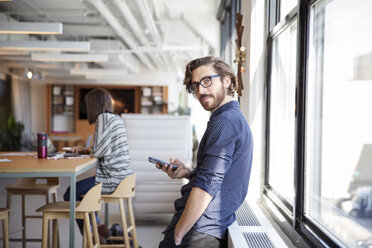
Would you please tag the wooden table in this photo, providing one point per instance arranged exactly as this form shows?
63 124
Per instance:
30 166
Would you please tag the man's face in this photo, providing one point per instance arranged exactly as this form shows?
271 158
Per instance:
213 96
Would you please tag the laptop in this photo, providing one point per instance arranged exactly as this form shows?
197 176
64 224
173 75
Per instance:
52 150
68 150
87 145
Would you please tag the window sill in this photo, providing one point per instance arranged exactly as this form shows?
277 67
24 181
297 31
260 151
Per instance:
255 228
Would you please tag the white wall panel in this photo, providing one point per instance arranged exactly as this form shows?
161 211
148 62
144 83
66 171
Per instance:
162 137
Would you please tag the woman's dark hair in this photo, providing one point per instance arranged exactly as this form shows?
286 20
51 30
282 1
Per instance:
220 66
97 101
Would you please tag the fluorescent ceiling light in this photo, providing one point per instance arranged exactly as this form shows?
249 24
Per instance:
45 45
30 28
110 78
16 58
69 57
100 72
8 52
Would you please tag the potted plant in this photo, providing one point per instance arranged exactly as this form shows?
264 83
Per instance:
11 135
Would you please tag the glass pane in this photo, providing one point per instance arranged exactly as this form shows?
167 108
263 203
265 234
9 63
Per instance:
272 14
339 121
286 6
282 113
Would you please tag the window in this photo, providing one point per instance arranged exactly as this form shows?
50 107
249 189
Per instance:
286 6
319 119
282 112
339 121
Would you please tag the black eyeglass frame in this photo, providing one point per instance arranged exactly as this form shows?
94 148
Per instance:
196 84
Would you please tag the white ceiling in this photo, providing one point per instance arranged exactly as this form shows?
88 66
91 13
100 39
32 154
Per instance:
141 37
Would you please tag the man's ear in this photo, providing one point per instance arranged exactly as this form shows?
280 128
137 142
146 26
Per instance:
227 81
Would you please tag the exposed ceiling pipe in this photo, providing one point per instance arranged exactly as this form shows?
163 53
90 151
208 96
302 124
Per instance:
149 20
131 20
136 29
115 24
157 18
148 17
156 10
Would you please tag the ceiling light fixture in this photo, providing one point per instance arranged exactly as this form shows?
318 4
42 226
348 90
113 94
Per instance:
69 57
7 52
29 74
77 46
100 72
30 28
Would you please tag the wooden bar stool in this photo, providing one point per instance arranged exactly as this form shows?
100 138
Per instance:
31 186
124 191
5 218
90 204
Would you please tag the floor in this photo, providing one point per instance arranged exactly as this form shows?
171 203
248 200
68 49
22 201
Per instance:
148 227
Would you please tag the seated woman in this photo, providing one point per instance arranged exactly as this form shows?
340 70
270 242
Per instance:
110 146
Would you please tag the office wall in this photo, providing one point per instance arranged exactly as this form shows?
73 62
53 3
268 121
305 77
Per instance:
38 107
38 94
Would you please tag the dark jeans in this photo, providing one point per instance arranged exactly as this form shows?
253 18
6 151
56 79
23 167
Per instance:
193 239
82 187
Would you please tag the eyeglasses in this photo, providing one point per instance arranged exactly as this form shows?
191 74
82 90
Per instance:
205 82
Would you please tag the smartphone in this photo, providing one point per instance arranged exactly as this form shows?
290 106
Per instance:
158 161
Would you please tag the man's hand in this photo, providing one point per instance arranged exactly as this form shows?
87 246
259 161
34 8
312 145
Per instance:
177 240
181 172
196 204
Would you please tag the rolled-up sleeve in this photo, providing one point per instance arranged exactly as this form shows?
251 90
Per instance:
217 157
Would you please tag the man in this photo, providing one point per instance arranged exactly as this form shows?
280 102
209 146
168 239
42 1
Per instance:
219 183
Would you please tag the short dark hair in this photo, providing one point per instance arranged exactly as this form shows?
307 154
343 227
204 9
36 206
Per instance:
97 101
221 67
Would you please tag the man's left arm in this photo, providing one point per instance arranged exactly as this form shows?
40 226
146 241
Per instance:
196 204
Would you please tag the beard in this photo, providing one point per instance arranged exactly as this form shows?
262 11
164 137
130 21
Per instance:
216 100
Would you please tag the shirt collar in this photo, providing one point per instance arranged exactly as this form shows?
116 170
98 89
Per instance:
230 105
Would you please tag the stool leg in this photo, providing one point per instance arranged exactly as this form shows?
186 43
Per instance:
55 234
84 239
87 229
124 222
132 222
46 194
95 229
23 221
54 195
106 214
6 231
8 196
45 231
6 223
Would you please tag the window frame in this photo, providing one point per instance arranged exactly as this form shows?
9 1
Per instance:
272 34
293 214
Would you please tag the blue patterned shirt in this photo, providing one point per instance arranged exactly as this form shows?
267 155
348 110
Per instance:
223 169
